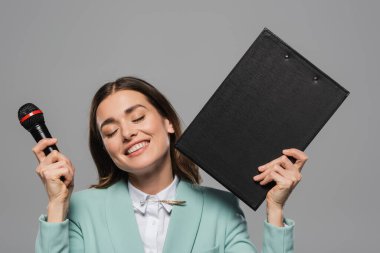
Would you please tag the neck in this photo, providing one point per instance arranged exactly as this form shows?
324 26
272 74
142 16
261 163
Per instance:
155 180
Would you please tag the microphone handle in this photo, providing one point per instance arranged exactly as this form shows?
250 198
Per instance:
40 131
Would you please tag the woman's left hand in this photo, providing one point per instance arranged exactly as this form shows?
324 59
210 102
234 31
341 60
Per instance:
286 175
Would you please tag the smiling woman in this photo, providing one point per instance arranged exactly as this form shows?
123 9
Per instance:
124 113
144 183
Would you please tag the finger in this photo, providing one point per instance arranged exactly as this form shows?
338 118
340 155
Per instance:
55 156
55 166
41 170
50 162
69 178
38 172
277 168
281 182
56 173
296 153
293 175
64 164
289 176
262 175
300 157
268 178
283 161
38 149
63 172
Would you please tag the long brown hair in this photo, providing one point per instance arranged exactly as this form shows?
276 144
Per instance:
108 172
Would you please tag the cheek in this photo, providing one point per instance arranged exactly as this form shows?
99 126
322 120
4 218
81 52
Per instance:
111 147
163 137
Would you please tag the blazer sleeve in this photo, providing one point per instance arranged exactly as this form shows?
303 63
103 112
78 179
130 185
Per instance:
276 239
62 237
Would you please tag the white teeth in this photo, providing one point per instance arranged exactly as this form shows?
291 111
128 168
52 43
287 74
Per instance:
137 146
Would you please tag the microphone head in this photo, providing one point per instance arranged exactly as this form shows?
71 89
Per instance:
30 115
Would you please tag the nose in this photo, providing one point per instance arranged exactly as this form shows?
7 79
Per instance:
128 132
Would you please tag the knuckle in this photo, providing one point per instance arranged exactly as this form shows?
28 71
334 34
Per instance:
40 169
65 191
64 169
68 162
54 154
288 183
45 173
42 142
63 162
58 164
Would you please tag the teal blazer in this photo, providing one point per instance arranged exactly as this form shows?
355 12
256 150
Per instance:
211 221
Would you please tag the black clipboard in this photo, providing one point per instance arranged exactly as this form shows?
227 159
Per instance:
273 99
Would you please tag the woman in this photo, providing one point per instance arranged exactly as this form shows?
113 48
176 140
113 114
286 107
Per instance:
144 183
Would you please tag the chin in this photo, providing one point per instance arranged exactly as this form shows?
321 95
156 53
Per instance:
139 171
138 168
142 164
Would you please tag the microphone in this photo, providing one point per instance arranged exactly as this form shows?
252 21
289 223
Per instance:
32 119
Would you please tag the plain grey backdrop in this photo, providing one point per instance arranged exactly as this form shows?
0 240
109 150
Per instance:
56 54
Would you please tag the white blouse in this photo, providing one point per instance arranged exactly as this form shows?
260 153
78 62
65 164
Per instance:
152 217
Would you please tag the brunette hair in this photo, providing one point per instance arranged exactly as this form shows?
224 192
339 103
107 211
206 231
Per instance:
108 172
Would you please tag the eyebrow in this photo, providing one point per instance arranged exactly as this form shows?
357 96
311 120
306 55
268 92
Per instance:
126 111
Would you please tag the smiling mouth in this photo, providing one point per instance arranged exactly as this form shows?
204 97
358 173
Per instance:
137 147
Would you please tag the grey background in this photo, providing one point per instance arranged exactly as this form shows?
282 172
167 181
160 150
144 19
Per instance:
58 53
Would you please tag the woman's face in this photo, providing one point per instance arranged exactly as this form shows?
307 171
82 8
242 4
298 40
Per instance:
126 118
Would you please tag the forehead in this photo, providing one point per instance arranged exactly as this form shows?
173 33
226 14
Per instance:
117 102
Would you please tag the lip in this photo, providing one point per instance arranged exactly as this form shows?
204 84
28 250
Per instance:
138 151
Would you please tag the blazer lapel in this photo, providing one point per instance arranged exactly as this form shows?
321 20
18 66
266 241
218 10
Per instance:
121 220
184 220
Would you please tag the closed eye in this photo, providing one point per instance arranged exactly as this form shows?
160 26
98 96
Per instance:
139 119
135 121
111 134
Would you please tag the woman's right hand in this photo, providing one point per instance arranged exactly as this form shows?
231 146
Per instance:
51 169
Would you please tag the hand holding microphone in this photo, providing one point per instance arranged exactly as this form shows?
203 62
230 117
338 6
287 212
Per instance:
55 170
51 169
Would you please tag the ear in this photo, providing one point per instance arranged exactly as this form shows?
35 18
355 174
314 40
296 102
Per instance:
169 126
